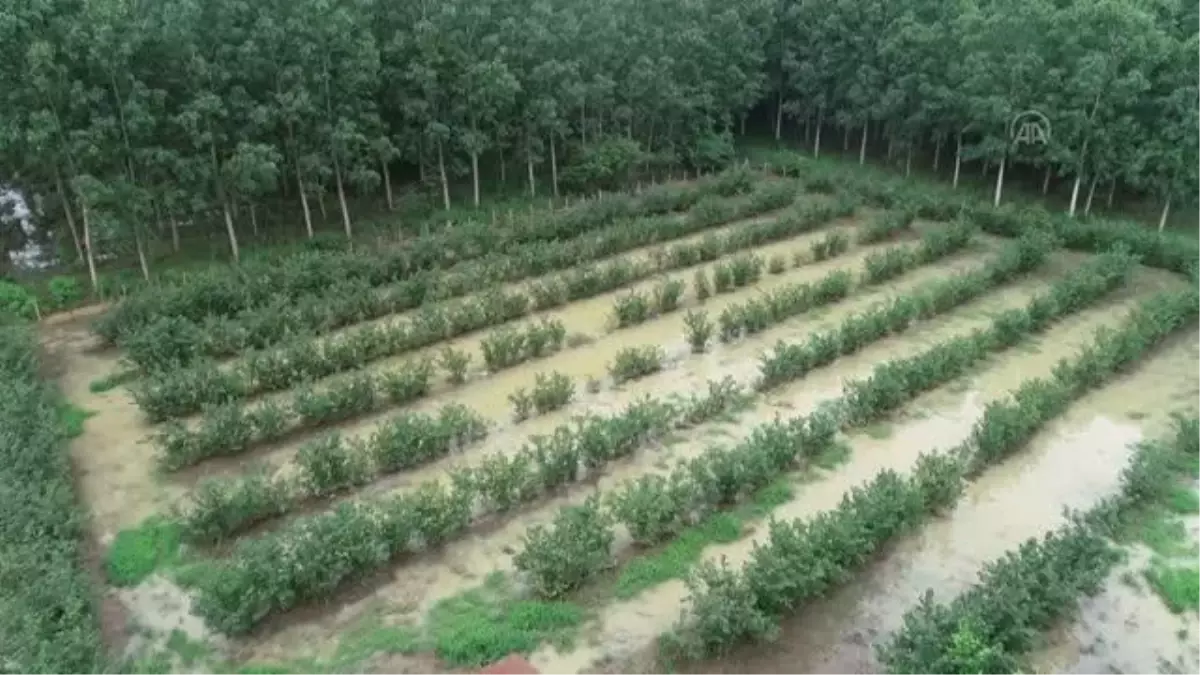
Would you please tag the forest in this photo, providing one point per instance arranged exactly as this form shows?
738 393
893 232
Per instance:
126 121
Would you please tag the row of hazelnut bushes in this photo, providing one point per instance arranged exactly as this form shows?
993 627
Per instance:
263 576
232 428
185 391
227 291
577 545
174 340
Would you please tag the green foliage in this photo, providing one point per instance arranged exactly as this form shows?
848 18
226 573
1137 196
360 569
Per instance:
781 304
136 553
455 363
507 347
64 292
886 226
234 597
630 309
726 607
777 264
699 329
551 392
702 287
667 295
222 507
16 303
830 246
632 363
575 547
995 623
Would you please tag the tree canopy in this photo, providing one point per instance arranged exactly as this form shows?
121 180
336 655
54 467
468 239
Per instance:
131 116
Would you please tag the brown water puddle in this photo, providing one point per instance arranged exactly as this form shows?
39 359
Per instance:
419 583
991 515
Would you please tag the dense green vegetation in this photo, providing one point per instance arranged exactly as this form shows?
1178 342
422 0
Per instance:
49 620
135 121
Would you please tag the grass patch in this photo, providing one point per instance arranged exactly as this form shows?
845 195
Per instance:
72 418
489 622
1183 499
1162 531
370 637
833 456
111 381
1177 585
136 553
676 558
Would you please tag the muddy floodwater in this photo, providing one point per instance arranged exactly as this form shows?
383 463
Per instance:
1073 463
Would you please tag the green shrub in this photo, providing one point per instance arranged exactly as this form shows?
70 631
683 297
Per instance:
455 363
831 246
632 363
722 278
64 292
886 226
16 302
630 309
551 392
653 507
575 547
218 508
777 264
522 404
703 289
667 296
327 465
699 330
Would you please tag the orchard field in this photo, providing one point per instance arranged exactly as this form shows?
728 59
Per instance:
657 430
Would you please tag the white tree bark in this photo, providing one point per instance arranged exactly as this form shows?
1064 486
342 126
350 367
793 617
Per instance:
174 231
779 115
1074 195
1046 181
475 177
1162 220
341 194
957 160
308 226
66 202
862 146
937 153
1087 206
1000 181
87 246
387 185
442 176
553 166
231 232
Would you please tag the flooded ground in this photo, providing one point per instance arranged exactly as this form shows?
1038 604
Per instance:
1073 463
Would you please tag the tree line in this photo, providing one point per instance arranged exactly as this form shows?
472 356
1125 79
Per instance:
128 118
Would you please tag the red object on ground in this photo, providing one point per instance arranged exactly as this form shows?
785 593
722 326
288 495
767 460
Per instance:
513 664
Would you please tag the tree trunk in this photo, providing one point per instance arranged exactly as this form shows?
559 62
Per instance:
321 203
583 125
817 133
743 124
87 247
937 153
442 176
957 159
908 161
308 226
503 168
174 231
1074 195
1046 182
862 147
553 167
779 115
1112 191
1087 206
1162 220
141 254
229 230
421 162
529 170
387 185
1000 181
66 202
475 176
253 220
341 193
891 148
